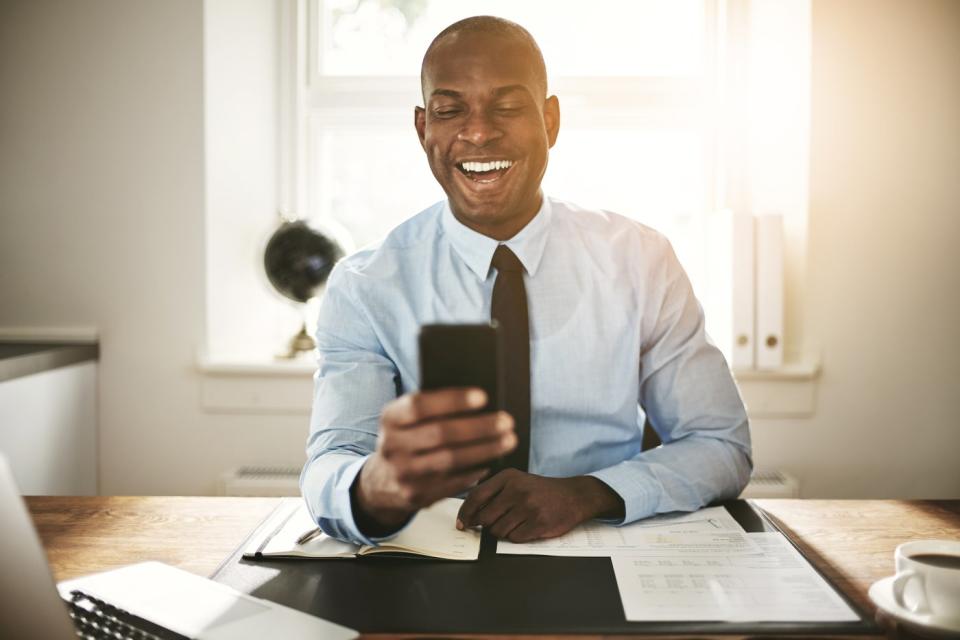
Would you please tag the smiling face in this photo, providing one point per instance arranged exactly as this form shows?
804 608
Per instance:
487 129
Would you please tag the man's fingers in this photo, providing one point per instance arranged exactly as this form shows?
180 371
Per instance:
489 513
447 459
480 496
412 408
525 532
466 429
453 432
512 519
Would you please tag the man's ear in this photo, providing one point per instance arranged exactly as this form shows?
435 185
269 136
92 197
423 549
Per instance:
420 122
551 118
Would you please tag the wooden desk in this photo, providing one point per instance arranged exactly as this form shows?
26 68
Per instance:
851 541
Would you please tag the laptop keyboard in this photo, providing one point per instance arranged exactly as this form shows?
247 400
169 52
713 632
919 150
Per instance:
95 619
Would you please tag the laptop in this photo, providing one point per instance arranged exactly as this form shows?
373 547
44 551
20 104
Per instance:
146 600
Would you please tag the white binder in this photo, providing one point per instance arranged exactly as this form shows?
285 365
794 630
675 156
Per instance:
769 265
730 277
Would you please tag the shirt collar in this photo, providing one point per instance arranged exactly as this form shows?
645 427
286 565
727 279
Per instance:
477 249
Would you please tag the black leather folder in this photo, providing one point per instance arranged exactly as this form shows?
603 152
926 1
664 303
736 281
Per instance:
495 595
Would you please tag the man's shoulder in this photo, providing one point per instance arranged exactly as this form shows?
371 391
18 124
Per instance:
607 227
403 243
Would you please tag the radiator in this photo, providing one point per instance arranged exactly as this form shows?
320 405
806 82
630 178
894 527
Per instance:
261 481
284 481
770 483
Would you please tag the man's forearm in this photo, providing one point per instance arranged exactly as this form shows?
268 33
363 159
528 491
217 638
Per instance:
683 475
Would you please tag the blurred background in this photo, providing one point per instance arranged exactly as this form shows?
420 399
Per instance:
149 149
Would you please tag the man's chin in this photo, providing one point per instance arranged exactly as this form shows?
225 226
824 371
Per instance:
481 211
489 208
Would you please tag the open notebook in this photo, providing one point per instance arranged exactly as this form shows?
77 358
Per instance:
432 533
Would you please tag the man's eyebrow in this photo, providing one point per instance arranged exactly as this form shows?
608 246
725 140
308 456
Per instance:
499 91
510 88
450 93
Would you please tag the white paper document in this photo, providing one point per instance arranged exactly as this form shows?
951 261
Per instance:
775 585
704 532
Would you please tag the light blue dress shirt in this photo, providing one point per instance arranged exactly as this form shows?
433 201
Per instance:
615 330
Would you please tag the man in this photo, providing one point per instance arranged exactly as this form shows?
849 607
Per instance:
613 326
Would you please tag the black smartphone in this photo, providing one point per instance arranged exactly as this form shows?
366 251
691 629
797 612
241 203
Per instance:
463 355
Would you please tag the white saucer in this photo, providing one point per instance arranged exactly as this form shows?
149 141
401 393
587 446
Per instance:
881 592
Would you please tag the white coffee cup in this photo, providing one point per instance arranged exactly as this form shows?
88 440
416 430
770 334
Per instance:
924 585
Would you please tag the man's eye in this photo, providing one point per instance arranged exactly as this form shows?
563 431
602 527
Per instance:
446 113
508 111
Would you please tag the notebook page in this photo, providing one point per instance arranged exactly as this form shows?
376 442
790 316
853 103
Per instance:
433 532
278 537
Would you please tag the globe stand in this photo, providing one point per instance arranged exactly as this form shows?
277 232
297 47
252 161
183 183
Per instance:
300 343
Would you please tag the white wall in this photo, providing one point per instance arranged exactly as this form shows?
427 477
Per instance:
102 206
883 280
102 223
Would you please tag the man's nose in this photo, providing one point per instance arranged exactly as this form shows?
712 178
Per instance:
479 129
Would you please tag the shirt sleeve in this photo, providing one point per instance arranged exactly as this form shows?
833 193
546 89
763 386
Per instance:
691 400
354 380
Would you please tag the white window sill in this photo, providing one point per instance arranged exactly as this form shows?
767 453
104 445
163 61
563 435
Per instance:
286 386
300 367
787 392
256 386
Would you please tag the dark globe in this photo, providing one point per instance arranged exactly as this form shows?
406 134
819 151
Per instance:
298 259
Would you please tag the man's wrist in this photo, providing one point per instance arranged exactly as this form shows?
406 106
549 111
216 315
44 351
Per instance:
374 522
599 499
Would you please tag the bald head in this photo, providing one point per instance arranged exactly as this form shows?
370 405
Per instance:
492 27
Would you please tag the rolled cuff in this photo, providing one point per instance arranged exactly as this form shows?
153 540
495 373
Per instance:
331 508
639 493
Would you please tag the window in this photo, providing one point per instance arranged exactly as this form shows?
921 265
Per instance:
671 111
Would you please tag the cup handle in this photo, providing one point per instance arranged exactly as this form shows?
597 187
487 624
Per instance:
900 584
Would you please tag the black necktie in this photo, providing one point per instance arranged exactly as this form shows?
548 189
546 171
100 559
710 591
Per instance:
509 309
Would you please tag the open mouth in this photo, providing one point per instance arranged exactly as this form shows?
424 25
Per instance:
486 171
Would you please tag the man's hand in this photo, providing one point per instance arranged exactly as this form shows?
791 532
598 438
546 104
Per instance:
521 507
425 452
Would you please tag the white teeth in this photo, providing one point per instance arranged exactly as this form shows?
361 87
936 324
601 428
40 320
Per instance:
496 165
